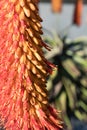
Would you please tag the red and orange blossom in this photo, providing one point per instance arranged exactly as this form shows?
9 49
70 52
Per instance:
24 69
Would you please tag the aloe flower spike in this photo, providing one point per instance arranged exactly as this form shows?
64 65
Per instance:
78 12
24 69
56 6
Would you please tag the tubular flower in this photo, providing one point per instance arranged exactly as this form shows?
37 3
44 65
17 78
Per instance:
23 69
56 5
78 12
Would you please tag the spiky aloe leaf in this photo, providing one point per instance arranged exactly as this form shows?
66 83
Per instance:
71 74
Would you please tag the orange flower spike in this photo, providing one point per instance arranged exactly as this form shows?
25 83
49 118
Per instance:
78 12
23 69
56 5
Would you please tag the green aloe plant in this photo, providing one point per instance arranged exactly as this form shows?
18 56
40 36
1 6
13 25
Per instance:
68 84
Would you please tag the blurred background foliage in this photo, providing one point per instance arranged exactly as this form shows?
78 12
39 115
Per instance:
68 83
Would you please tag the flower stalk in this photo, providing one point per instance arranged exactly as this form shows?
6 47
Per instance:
24 69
